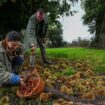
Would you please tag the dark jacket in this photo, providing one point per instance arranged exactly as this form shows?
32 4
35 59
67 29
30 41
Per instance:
6 69
35 30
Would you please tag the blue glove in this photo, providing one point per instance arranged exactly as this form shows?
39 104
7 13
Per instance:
18 60
14 79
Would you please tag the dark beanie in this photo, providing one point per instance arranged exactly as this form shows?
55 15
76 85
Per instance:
14 36
40 10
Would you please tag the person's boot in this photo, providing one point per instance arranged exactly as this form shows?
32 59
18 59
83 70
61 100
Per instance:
43 54
47 62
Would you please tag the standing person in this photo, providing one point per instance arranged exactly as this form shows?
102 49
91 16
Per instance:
37 31
10 59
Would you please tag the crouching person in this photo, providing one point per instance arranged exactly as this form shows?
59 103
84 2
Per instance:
10 59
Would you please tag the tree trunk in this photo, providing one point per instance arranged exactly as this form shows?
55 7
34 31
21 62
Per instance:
99 41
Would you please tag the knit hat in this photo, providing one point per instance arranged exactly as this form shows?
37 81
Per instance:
14 36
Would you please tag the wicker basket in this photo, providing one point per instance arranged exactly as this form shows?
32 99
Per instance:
35 86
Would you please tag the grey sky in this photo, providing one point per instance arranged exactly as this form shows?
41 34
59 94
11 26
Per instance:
73 26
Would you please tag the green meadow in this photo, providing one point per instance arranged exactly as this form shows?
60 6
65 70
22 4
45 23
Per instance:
95 57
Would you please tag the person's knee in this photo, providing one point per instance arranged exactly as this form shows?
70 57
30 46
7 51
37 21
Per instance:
18 60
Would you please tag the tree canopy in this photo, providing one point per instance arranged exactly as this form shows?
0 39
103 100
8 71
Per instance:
14 14
55 35
95 18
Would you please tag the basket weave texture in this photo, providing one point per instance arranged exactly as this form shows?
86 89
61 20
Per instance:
34 86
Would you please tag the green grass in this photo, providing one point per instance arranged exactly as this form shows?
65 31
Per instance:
94 56
69 71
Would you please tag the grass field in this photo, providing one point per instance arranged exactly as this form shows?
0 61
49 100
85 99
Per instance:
62 73
94 56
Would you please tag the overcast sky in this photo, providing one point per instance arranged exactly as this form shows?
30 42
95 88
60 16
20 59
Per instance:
73 26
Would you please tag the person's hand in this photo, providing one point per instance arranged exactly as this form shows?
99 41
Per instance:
22 56
32 47
18 51
22 81
45 40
